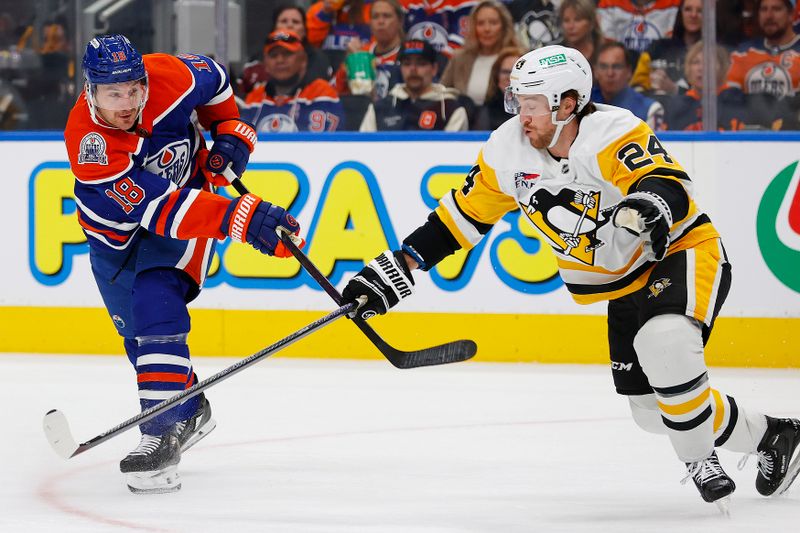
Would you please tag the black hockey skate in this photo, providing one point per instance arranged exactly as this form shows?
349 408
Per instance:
197 426
778 457
711 480
152 467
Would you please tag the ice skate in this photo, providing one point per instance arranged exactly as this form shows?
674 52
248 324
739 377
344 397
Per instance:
152 468
711 480
200 424
778 456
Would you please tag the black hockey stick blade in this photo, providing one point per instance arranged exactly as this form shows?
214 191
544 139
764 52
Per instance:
451 352
56 427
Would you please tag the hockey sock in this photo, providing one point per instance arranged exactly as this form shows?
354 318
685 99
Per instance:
163 369
670 350
735 428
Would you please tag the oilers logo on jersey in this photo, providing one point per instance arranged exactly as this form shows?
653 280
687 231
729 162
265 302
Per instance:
433 33
570 220
92 150
639 34
172 162
277 122
770 78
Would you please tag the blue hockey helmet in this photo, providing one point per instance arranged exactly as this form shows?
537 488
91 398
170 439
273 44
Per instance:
112 59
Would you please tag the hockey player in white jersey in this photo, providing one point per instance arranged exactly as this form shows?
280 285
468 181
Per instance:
618 211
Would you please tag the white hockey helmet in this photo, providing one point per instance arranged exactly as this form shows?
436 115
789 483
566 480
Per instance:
550 71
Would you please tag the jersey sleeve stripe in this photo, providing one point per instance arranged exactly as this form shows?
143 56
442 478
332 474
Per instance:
153 208
221 97
110 178
107 232
94 217
191 196
161 223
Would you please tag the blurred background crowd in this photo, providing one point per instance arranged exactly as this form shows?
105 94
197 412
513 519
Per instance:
390 65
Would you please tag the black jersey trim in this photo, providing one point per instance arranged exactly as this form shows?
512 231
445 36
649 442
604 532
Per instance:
616 285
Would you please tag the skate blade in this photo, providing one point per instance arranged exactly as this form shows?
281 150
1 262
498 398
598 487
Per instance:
791 474
723 504
201 433
154 482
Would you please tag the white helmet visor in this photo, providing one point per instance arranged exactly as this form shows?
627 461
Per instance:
119 96
532 105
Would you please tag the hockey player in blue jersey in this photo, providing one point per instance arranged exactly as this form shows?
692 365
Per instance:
145 194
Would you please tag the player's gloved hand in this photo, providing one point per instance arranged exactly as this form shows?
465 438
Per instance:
234 141
384 281
257 222
647 216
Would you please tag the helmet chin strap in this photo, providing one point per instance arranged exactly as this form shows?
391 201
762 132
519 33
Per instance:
559 126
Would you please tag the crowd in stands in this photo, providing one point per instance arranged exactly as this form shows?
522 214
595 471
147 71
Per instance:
36 74
387 65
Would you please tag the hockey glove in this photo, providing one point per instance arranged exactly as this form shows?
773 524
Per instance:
647 216
234 141
384 281
257 222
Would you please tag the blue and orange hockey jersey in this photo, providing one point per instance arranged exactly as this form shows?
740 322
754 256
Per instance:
443 23
312 106
152 179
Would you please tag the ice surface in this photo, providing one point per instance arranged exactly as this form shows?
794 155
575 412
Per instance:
358 446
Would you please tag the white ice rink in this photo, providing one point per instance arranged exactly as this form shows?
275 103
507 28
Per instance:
347 446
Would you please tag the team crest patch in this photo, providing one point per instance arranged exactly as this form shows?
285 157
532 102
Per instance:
118 321
93 149
657 287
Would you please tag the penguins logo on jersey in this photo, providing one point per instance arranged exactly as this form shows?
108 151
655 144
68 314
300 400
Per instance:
570 220
171 162
539 28
658 286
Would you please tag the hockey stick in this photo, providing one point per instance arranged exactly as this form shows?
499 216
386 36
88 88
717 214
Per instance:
57 430
451 352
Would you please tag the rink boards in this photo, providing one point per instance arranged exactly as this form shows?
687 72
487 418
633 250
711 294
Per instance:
356 196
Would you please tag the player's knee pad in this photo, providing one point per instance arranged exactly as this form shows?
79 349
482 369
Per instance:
644 410
670 350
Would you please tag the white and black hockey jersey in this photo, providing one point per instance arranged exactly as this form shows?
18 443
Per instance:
570 201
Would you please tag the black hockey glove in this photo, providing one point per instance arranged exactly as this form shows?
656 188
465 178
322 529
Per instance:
384 281
647 216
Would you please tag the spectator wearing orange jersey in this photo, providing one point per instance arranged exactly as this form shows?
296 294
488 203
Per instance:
637 23
334 23
291 100
769 64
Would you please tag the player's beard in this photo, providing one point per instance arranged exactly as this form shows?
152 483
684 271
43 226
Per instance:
542 140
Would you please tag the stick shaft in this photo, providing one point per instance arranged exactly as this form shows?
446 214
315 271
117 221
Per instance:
196 389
